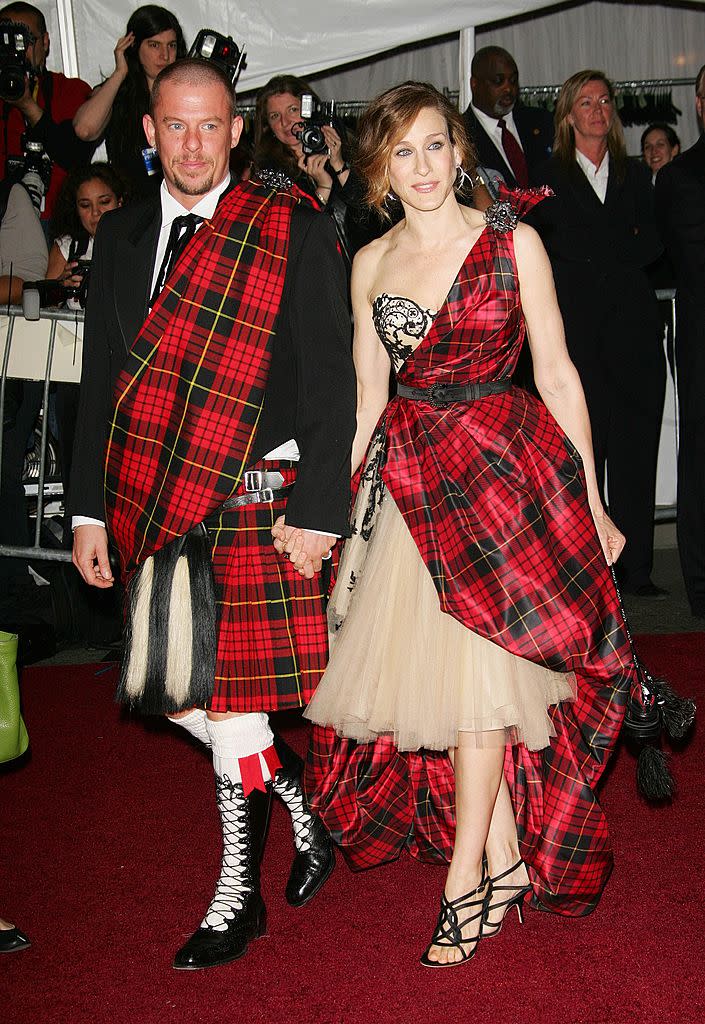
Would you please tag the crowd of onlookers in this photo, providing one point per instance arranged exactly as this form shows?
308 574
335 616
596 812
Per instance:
604 234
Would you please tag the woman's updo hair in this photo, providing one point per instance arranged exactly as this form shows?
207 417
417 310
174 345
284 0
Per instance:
384 123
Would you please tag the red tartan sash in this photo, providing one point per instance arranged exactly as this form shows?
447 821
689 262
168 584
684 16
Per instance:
189 398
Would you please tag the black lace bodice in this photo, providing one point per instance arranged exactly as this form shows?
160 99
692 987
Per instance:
401 324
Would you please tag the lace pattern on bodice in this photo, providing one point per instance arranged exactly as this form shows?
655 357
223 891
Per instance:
401 325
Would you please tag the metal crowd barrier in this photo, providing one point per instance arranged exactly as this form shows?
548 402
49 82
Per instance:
48 348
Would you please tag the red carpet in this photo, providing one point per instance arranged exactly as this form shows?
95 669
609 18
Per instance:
109 851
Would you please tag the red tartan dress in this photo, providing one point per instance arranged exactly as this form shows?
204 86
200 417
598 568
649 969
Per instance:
493 494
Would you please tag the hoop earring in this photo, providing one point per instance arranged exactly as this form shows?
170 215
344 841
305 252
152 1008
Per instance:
462 178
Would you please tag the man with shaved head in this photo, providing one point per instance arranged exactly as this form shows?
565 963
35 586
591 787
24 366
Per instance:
218 380
510 138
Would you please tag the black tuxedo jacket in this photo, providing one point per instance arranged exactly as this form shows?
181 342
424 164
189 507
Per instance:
535 128
680 212
310 394
577 228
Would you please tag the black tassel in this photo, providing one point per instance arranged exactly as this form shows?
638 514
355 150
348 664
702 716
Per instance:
198 553
677 713
653 777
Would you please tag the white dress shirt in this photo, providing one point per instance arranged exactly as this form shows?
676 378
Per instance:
597 176
491 126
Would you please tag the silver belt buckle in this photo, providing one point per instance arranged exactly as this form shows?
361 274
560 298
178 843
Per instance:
267 494
253 479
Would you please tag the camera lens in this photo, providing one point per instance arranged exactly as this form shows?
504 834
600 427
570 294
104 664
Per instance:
11 83
313 140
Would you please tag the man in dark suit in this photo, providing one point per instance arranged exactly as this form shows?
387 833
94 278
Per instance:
680 212
509 138
307 420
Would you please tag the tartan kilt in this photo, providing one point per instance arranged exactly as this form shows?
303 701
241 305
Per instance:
272 635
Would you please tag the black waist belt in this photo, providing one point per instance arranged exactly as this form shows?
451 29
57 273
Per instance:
260 488
443 394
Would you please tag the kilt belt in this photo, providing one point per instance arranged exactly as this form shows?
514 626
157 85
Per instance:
261 486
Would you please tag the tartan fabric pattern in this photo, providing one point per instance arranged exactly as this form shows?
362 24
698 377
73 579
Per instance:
272 638
188 400
494 496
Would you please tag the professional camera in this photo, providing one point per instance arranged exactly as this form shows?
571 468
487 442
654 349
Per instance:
222 50
33 169
310 129
14 66
38 295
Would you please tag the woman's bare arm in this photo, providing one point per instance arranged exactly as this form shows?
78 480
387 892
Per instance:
372 364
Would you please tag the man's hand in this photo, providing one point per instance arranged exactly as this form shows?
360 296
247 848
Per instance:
90 555
27 105
304 549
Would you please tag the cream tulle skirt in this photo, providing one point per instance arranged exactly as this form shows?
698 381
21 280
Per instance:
401 666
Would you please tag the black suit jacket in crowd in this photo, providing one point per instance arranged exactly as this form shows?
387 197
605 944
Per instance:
310 394
680 213
577 228
535 128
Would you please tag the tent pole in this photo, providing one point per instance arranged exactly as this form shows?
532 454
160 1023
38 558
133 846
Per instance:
67 36
465 54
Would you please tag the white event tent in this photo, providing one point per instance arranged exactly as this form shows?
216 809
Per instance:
355 48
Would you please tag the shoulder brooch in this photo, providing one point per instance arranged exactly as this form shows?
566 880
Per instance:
502 216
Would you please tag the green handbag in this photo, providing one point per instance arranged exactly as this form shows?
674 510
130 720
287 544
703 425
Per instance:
13 733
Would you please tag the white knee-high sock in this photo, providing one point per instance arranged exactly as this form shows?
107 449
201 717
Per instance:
195 723
237 738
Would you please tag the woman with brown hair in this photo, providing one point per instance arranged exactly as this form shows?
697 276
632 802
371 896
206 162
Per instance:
600 235
480 664
325 177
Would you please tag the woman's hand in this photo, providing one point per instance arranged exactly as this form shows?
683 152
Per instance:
315 166
612 539
123 44
68 277
335 147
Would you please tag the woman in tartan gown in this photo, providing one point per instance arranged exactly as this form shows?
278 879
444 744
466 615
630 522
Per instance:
481 663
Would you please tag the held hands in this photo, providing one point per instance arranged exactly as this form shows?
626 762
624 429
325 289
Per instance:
90 555
612 539
304 549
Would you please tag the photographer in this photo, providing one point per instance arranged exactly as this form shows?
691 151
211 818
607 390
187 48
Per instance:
153 39
85 196
324 176
44 111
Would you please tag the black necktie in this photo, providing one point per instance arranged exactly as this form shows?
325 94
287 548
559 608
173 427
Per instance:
182 231
514 154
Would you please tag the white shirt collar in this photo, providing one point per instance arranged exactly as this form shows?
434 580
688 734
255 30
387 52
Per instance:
597 176
491 124
204 208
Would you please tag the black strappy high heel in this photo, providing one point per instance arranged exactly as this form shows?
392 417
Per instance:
515 900
452 920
